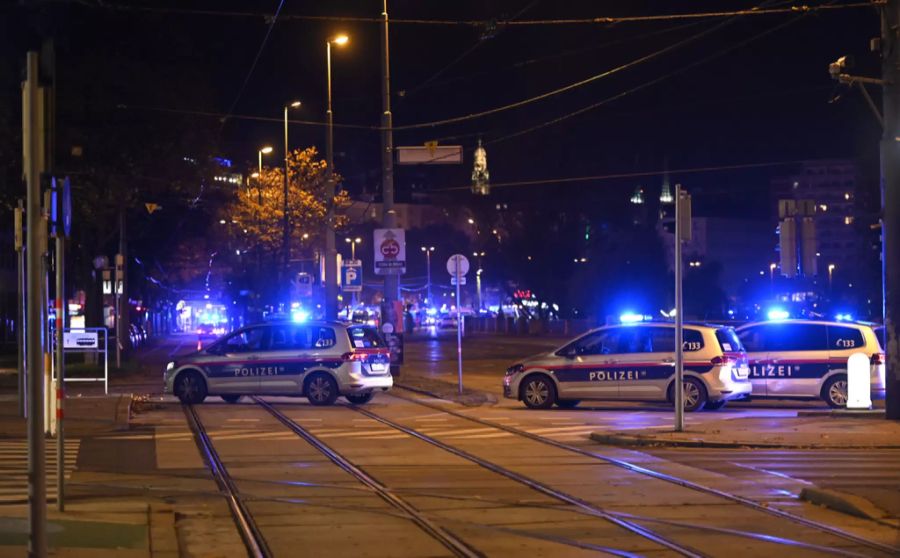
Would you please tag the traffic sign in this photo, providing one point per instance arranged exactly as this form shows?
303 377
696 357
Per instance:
462 280
390 251
351 276
457 265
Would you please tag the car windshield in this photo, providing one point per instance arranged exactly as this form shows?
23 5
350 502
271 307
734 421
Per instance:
362 337
728 340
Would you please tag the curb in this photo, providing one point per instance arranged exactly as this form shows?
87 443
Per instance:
639 441
844 503
844 413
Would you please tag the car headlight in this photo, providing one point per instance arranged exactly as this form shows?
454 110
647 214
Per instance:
170 366
515 369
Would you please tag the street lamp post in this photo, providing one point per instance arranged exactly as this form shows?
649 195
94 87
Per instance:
262 151
428 252
353 242
478 290
772 267
285 243
830 275
330 249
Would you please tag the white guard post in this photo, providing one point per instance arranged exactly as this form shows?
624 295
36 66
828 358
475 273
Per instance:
859 384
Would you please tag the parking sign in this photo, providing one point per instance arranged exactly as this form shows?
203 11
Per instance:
351 276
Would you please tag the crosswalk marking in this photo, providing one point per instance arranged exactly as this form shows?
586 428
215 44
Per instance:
14 468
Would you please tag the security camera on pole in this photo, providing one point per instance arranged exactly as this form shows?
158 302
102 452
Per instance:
458 266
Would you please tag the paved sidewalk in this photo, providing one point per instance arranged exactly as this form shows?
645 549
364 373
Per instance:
769 432
83 415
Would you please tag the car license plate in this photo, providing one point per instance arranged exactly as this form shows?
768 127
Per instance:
377 367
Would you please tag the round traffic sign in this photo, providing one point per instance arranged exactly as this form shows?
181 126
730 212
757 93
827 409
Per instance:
457 265
390 248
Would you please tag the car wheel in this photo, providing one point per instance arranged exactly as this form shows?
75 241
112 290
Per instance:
567 403
321 389
538 392
835 392
234 398
714 405
360 398
190 387
694 395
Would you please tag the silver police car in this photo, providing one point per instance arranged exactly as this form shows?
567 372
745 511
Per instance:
807 359
634 362
320 360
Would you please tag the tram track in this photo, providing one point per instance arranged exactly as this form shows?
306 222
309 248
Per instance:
644 471
249 531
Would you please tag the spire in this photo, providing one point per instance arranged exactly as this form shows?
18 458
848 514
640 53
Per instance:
481 177
665 196
638 197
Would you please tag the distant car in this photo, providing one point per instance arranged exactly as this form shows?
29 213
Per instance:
805 359
319 360
634 362
447 320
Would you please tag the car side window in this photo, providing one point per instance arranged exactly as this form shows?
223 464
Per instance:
753 339
247 341
289 338
663 339
634 339
601 342
841 338
322 337
802 337
692 340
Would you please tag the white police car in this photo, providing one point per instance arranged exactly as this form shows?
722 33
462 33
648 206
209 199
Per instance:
320 360
804 359
634 362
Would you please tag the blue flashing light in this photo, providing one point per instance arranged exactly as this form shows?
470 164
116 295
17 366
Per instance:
844 317
630 318
299 316
778 314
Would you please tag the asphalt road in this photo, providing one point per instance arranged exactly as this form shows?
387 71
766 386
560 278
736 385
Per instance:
497 492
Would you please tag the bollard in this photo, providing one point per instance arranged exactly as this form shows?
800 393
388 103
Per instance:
859 384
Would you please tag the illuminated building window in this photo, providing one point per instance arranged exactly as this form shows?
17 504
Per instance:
848 220
823 207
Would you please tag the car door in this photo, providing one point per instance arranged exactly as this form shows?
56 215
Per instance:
236 366
641 370
587 372
797 359
844 341
284 362
754 340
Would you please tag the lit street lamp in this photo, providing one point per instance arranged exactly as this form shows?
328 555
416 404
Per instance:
353 242
478 289
330 249
262 151
772 267
830 275
428 252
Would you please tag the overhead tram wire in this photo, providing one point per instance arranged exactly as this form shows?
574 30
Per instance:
222 116
597 20
623 175
647 84
259 52
575 85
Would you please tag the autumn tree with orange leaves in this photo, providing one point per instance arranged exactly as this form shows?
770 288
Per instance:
257 211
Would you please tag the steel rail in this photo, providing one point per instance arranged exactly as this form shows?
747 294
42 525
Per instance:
249 531
537 486
840 533
445 537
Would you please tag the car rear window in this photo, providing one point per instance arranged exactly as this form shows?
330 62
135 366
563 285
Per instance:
728 340
841 338
365 338
879 334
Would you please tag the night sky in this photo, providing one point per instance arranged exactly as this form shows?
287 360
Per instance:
763 97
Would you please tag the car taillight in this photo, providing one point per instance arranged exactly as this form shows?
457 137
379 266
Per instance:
351 356
734 360
877 358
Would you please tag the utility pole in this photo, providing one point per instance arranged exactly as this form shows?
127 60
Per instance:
33 162
678 398
330 248
19 223
60 358
890 196
389 215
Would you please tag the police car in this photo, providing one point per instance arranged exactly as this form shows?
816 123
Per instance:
808 359
320 360
634 362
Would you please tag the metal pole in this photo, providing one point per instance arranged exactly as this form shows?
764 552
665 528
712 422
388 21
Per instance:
60 366
20 305
428 260
285 248
389 217
118 317
37 482
890 191
458 326
679 317
259 214
330 248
